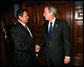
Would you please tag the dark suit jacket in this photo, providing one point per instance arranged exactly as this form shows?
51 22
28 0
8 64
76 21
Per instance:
24 47
58 46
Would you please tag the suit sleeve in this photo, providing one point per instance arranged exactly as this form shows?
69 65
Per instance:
42 41
67 42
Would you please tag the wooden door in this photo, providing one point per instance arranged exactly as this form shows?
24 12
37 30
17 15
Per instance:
78 36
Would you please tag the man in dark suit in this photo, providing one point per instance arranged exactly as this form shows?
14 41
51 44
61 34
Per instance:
24 48
55 37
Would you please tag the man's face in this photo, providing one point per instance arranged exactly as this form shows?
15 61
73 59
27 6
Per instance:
46 14
25 17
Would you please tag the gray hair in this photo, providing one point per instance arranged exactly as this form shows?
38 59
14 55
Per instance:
52 9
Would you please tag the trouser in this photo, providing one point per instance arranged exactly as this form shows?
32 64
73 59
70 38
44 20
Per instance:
53 62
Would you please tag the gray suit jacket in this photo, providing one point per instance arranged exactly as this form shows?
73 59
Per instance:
58 46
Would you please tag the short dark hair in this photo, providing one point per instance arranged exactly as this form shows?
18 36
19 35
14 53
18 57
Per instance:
20 12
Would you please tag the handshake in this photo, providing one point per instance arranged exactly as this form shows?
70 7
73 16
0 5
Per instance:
37 48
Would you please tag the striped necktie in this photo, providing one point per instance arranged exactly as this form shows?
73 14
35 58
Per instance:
26 27
28 30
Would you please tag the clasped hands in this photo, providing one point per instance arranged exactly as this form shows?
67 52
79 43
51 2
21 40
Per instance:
66 60
37 48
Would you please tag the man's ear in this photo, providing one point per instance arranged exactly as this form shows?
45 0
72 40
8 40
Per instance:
51 13
20 17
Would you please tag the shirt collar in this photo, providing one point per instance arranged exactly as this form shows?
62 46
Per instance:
22 23
53 21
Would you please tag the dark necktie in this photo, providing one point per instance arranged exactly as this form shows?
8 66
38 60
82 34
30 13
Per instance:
50 29
26 27
28 30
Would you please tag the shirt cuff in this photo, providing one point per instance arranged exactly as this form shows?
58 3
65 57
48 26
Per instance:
67 56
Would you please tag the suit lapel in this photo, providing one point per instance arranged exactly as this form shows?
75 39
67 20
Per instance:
55 27
47 28
55 24
28 27
23 28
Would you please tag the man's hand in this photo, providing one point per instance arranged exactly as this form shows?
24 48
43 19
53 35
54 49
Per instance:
37 48
66 60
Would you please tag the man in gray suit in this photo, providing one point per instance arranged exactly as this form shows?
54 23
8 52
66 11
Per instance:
24 48
56 38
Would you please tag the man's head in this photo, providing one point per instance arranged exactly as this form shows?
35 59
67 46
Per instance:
22 15
49 12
